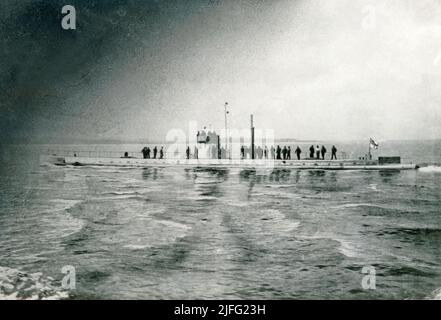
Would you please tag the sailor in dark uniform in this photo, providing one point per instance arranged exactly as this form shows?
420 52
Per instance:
323 151
278 151
334 153
298 152
161 153
284 152
311 152
144 152
155 152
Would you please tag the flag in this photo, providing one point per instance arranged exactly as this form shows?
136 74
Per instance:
373 144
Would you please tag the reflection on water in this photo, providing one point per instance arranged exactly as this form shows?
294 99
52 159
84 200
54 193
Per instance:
280 175
151 173
207 181
389 175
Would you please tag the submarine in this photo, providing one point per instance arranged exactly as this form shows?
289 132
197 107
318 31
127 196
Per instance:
209 153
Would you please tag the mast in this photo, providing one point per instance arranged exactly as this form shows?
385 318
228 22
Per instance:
252 138
226 129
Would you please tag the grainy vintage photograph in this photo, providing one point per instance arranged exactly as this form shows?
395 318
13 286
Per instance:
220 150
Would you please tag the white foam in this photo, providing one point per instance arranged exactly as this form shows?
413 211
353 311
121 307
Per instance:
429 169
236 203
435 295
121 197
136 246
155 233
174 224
198 198
63 204
355 205
279 221
19 285
58 222
347 249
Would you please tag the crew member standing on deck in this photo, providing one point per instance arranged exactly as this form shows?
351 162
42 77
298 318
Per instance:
155 152
298 152
323 151
242 152
188 152
144 152
265 152
317 152
195 154
278 152
311 152
161 153
334 153
259 152
288 153
284 152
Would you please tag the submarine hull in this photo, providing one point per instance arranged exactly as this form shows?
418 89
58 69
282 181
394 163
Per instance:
228 163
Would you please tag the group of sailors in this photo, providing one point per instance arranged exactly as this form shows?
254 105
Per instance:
146 153
284 153
276 153
321 152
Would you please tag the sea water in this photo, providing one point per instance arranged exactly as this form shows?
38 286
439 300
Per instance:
166 233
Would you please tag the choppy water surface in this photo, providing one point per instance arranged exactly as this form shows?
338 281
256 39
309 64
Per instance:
200 233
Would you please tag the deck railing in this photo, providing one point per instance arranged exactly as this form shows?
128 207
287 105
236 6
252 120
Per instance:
136 154
93 153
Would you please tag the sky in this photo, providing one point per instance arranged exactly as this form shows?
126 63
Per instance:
133 70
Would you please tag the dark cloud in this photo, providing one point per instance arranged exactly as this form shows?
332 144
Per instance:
43 65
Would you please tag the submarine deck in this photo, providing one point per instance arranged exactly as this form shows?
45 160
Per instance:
228 163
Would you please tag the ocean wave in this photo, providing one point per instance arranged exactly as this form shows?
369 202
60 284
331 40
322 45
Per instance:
58 221
123 193
235 203
371 209
19 285
435 295
429 169
63 204
278 220
280 186
373 186
174 224
199 198
121 197
159 233
348 249
357 205
407 233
